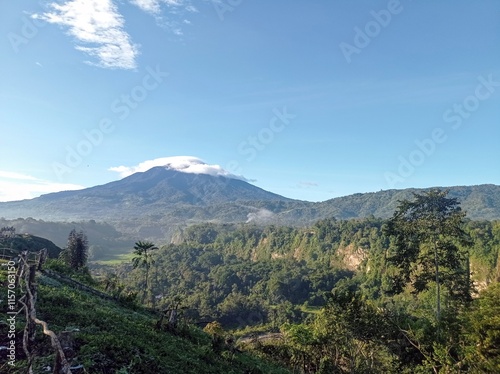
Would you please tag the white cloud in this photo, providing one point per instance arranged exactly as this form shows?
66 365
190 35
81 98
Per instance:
185 164
148 6
16 186
13 175
176 10
154 6
98 29
192 9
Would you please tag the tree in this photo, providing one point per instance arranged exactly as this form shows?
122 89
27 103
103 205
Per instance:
429 241
76 253
7 232
143 259
484 329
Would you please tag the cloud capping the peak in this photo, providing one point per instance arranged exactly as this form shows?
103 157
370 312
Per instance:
185 164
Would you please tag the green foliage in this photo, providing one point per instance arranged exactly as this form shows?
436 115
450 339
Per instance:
483 322
109 338
215 284
347 336
76 252
144 259
12 244
427 233
60 266
202 234
107 239
485 251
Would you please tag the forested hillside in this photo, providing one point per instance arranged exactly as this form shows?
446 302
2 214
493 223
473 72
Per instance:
415 293
335 294
13 243
232 272
157 204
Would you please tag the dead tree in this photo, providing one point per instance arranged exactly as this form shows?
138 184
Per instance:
42 259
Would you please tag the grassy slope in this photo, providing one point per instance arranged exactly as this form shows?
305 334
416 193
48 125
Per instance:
110 338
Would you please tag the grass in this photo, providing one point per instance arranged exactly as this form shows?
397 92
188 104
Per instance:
114 259
310 309
111 338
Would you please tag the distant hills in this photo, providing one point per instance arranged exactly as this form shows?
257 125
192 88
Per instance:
154 204
12 246
481 202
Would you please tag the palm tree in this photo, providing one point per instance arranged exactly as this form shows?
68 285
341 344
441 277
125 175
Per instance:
143 259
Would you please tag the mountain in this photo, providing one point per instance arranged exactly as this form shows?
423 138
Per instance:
157 203
154 204
481 202
157 191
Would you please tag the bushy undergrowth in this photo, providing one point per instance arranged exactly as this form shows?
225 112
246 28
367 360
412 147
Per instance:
109 338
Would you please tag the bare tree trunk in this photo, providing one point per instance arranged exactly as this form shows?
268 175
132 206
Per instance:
438 296
42 259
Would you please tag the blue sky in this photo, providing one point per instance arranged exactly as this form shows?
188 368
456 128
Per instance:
308 99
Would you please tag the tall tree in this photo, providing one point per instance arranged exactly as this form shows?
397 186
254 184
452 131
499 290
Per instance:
429 246
144 259
483 323
76 253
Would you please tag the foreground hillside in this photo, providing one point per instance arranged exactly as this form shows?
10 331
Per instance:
104 336
15 243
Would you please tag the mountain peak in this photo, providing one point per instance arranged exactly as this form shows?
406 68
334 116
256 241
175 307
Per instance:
184 164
